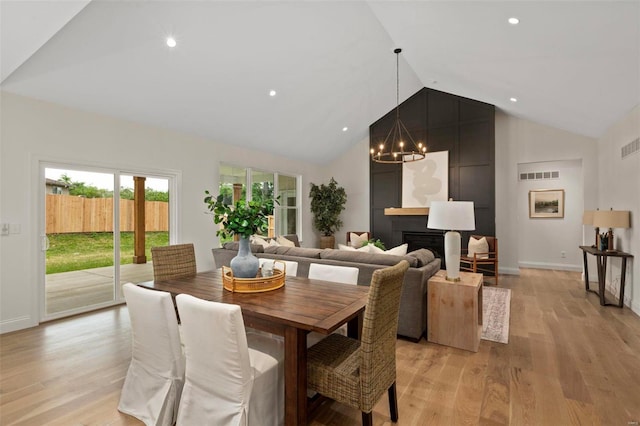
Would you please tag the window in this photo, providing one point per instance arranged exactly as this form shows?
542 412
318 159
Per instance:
234 181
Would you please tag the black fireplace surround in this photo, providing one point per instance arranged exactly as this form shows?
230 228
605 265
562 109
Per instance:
430 239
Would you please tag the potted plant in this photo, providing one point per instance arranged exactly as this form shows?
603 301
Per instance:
327 201
243 220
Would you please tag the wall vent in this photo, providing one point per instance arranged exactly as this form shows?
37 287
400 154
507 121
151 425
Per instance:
631 148
540 175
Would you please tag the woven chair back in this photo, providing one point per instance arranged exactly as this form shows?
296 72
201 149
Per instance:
174 261
380 326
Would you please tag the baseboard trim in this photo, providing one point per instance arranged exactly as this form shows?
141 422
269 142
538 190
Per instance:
15 324
509 271
554 266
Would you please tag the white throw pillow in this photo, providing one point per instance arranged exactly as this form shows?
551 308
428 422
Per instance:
401 250
347 248
285 241
374 249
356 240
478 246
255 239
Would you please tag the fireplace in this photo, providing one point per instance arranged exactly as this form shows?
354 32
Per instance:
432 239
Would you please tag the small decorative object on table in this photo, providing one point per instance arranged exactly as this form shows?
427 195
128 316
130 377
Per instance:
243 220
604 241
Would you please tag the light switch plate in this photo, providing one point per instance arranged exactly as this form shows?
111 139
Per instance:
4 229
15 228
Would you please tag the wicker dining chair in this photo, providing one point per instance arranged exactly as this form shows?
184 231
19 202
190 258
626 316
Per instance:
174 261
357 372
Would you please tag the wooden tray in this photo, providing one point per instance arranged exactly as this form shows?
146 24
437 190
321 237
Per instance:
252 285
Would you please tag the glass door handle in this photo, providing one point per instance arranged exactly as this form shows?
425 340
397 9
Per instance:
45 243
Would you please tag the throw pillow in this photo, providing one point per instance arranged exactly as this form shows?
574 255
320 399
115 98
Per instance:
401 250
478 246
374 249
348 248
255 239
273 243
285 242
357 241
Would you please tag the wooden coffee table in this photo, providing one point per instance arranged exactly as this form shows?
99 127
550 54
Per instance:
454 310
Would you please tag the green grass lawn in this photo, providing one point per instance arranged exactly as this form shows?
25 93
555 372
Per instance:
73 252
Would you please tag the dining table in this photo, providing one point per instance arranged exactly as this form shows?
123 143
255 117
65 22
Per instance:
299 307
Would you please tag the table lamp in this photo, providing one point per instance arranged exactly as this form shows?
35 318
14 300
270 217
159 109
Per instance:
611 219
452 216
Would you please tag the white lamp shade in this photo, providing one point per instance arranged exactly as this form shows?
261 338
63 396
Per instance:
451 215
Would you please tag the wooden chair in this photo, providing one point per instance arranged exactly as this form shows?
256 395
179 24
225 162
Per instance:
357 372
173 261
482 262
357 233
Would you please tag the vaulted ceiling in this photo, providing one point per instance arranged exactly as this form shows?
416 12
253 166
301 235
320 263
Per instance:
573 65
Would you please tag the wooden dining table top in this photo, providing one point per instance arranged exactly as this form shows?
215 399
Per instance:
307 304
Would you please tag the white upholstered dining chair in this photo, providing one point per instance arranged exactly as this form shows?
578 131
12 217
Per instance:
334 273
231 378
152 387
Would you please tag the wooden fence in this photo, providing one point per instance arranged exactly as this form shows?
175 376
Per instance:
67 213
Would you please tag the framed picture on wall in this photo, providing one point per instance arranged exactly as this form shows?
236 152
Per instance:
546 203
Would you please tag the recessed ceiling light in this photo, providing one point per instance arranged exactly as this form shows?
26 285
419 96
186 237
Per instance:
171 42
345 128
513 99
513 20
272 92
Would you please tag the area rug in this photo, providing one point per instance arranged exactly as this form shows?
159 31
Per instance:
496 309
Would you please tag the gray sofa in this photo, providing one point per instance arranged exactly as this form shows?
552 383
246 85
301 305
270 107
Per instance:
413 303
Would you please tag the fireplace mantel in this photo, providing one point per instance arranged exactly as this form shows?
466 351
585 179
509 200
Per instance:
406 211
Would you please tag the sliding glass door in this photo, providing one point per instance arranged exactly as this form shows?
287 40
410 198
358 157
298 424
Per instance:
92 245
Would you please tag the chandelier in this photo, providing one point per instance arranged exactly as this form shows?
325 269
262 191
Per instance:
398 147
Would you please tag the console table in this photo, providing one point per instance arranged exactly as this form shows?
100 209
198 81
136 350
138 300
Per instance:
601 262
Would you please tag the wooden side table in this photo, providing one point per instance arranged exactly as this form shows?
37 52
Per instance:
455 310
601 263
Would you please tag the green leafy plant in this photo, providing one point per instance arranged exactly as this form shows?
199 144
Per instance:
239 219
376 242
327 201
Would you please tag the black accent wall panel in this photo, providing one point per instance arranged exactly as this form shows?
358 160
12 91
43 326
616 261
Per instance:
463 127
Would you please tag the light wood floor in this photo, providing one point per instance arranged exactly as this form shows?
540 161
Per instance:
569 361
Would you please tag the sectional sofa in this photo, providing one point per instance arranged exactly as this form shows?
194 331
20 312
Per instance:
413 304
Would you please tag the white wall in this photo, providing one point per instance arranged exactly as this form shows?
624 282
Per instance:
619 188
351 171
520 141
543 241
32 130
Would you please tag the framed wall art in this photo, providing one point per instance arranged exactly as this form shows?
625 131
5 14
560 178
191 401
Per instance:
426 180
546 203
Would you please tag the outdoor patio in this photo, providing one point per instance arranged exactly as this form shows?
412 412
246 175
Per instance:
72 290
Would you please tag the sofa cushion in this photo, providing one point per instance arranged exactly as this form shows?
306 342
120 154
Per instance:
235 245
424 256
313 253
371 258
